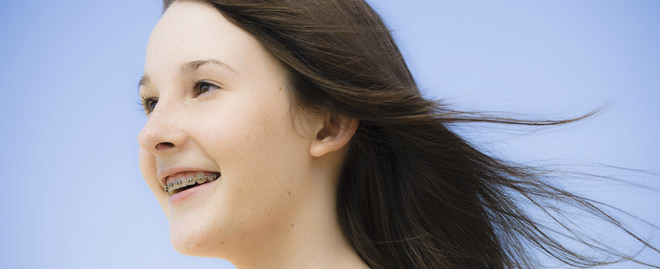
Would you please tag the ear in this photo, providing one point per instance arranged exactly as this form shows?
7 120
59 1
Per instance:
337 130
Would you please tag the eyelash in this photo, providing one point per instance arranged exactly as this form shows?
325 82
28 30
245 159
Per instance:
198 83
149 103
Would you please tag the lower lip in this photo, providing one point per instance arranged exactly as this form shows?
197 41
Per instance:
180 196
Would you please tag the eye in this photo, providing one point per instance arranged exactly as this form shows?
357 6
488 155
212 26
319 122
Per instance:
203 86
149 104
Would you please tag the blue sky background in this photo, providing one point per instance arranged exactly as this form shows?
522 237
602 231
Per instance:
73 195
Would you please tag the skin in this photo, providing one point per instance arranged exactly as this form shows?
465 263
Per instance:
274 205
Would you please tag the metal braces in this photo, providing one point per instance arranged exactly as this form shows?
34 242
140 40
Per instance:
201 178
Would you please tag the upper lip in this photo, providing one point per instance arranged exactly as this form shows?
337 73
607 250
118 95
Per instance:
162 175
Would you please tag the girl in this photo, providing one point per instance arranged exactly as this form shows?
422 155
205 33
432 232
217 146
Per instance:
291 134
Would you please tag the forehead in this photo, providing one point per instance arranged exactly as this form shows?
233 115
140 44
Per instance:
195 30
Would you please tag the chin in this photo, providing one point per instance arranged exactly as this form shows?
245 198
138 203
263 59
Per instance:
190 245
194 242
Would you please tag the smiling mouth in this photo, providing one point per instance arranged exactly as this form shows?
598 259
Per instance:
186 181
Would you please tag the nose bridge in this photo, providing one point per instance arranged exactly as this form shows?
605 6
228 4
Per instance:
163 131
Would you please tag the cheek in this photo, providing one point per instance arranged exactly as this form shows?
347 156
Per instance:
248 125
259 154
148 169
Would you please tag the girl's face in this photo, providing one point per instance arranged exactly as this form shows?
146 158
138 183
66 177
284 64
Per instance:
222 109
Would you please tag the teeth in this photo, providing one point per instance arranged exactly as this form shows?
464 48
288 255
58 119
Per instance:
200 178
183 182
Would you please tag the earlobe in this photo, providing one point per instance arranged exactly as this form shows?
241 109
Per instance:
337 130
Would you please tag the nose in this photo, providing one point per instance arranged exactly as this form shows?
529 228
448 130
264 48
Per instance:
162 133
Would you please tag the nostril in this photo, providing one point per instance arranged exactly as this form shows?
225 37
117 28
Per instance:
164 145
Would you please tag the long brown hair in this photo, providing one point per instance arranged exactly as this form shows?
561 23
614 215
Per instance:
412 193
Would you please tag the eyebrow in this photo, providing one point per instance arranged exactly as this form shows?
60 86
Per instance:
194 65
144 80
189 67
